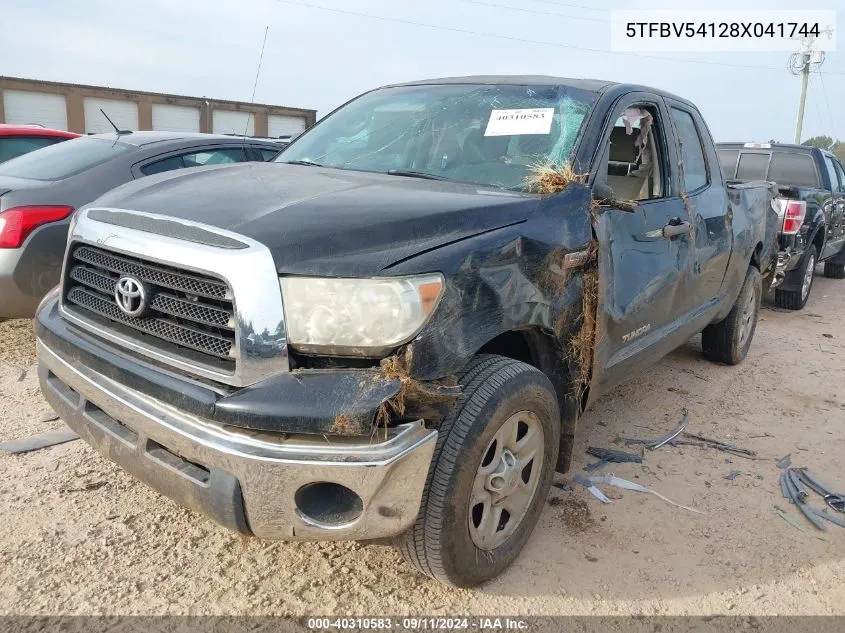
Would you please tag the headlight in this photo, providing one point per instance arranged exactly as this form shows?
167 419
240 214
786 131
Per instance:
357 317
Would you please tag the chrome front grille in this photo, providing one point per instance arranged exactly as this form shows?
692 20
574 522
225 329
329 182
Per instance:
213 303
153 273
185 309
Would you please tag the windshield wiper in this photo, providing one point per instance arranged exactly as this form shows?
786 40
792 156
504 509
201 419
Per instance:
415 174
307 163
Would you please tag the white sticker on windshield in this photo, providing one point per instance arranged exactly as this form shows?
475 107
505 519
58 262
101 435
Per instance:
515 122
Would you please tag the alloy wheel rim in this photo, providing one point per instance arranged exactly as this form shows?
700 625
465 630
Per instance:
808 277
506 480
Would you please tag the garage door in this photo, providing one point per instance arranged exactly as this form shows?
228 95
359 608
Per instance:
229 122
23 107
278 125
123 113
172 118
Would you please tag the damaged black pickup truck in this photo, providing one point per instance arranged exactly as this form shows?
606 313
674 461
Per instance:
391 331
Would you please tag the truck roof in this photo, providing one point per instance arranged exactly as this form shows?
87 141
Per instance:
745 145
590 85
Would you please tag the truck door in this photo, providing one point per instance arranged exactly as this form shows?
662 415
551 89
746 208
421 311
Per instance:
645 254
708 207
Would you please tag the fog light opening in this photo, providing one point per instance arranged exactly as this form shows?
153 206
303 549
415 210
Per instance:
328 504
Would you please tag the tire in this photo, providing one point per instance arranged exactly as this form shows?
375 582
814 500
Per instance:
729 340
797 299
834 270
443 541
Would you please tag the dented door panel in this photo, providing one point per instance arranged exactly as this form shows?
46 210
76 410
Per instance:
708 210
643 266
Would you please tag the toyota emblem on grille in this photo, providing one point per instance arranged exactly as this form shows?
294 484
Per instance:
131 296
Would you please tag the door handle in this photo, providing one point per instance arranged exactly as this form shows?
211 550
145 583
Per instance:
674 229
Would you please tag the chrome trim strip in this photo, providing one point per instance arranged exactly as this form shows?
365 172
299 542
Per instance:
260 335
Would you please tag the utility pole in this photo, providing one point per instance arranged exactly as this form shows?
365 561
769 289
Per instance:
805 78
800 63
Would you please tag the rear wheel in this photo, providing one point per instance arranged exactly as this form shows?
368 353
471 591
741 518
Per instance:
490 475
729 340
797 299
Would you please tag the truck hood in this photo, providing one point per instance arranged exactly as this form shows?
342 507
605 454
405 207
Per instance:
320 221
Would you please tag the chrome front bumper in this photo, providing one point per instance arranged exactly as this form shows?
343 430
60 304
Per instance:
247 481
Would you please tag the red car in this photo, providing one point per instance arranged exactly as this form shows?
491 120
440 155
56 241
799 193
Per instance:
16 140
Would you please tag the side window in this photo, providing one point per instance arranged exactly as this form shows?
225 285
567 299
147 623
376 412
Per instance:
727 160
14 146
841 174
753 166
692 153
196 159
267 154
796 169
167 164
831 172
215 157
635 166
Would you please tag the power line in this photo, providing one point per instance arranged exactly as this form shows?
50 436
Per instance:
535 11
818 114
511 38
827 102
257 72
573 6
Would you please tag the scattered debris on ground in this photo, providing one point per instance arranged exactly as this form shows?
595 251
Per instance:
795 486
42 440
617 457
785 461
576 514
732 474
689 439
653 444
624 484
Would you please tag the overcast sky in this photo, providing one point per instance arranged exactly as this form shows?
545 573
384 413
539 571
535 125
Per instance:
317 58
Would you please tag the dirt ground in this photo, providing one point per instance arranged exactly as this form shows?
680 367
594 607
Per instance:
78 536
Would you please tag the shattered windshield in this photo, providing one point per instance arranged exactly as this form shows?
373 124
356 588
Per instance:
481 134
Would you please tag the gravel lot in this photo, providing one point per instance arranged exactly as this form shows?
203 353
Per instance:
79 536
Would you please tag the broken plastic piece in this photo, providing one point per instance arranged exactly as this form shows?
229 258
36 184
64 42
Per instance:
586 482
598 494
785 461
673 434
732 474
800 488
783 489
617 482
591 468
824 515
706 442
617 457
789 519
653 444
42 440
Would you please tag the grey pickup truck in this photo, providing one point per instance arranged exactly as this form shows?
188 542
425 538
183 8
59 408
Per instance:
390 331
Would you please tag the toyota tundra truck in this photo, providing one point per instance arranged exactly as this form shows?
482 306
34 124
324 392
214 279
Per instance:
390 331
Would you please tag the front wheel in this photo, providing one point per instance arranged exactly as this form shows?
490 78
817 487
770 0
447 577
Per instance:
728 341
490 474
